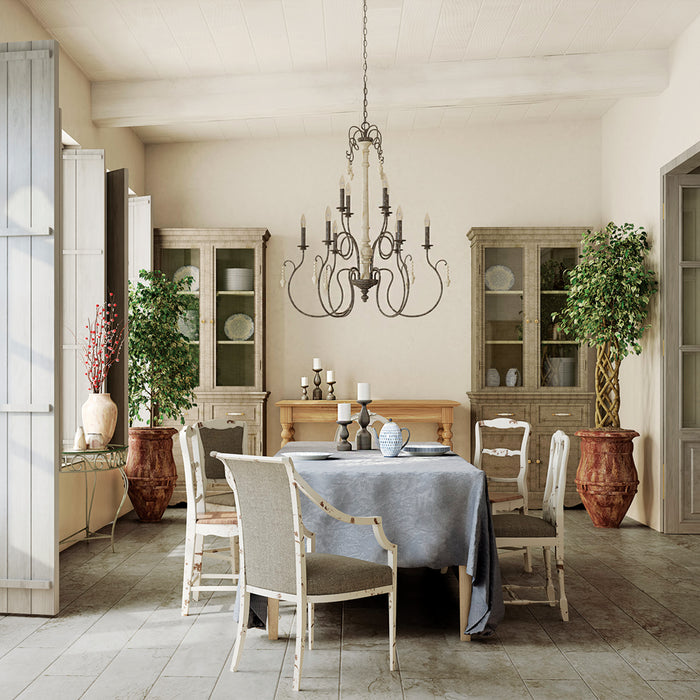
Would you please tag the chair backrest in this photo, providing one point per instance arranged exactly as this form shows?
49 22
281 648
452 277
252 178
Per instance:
269 520
555 488
220 435
374 418
503 424
195 483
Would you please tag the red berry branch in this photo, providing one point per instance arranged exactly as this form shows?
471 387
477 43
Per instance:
103 343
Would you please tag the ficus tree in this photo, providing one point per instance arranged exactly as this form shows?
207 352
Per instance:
607 307
162 371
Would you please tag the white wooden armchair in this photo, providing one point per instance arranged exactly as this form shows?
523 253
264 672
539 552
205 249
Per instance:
518 530
374 420
273 560
203 521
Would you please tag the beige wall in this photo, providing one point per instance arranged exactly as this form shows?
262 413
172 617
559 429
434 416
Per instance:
123 149
509 175
639 136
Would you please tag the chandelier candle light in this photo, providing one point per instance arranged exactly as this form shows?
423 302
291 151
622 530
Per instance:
335 284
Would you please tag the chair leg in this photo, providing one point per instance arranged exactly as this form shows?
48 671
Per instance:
198 548
299 646
563 603
392 630
243 612
187 575
310 612
551 597
527 565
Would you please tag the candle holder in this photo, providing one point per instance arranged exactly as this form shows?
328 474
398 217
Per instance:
304 393
363 438
331 395
344 445
317 393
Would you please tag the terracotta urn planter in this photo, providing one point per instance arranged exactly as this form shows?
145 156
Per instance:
151 470
606 478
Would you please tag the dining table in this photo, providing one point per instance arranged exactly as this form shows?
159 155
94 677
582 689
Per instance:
435 508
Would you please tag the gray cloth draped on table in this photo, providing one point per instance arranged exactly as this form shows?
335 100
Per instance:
436 509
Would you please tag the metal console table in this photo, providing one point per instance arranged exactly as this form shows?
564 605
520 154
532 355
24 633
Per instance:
84 461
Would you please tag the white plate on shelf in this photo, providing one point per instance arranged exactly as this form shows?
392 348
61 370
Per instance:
239 327
426 449
308 456
499 278
188 271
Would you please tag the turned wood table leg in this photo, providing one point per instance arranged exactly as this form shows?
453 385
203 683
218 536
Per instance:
287 433
273 618
445 434
465 599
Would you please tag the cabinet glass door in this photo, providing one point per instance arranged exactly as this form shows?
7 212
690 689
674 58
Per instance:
176 263
503 316
235 316
559 356
690 308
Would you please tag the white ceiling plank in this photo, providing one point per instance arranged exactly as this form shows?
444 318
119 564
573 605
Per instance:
563 27
343 24
456 116
400 119
594 33
508 81
675 19
484 114
290 126
428 118
454 29
383 25
264 128
541 111
419 22
306 33
526 28
492 25
629 33
55 13
582 109
268 33
512 113
317 124
227 25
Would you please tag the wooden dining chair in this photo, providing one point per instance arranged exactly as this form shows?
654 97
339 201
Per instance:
277 557
523 530
374 420
219 435
203 521
517 498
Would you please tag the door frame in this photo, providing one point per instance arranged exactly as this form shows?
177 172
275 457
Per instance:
672 174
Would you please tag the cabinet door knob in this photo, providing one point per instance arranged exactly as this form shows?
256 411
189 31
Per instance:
527 320
537 320
561 414
529 461
211 320
204 320
505 415
538 461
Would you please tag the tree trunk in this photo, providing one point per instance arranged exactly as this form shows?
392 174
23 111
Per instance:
607 387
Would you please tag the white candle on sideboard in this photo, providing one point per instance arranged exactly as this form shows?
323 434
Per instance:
344 412
305 381
330 376
317 364
363 391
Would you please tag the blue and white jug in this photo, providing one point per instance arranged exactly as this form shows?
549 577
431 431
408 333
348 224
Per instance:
391 439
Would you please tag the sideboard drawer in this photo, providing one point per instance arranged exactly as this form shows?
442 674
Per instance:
518 412
563 415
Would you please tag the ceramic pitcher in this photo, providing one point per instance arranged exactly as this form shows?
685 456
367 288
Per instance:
391 439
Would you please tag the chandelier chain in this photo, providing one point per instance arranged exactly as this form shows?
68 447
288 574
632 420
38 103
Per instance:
364 61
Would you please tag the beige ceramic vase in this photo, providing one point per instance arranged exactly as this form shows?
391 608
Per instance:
100 415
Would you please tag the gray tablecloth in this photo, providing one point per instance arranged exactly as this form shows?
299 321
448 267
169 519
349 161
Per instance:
436 509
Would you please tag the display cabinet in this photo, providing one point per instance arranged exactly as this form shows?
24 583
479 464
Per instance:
523 366
224 323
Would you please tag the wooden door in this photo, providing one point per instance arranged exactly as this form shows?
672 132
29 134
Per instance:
30 322
682 355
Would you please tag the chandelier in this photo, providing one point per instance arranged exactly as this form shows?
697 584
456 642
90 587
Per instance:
349 265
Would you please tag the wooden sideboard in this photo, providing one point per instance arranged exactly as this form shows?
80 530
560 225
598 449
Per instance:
409 410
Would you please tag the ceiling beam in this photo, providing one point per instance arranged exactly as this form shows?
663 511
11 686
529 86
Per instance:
496 81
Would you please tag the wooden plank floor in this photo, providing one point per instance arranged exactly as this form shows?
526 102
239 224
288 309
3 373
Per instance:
634 630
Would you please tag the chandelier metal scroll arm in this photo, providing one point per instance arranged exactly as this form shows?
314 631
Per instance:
434 267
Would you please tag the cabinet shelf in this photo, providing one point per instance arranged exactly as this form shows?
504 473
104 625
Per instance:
560 292
559 342
504 342
231 293
235 342
505 292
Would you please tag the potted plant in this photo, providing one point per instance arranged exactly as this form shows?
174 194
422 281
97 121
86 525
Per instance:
104 337
607 306
162 379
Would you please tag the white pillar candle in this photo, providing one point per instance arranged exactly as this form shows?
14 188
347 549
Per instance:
344 412
363 391
305 381
330 376
317 364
